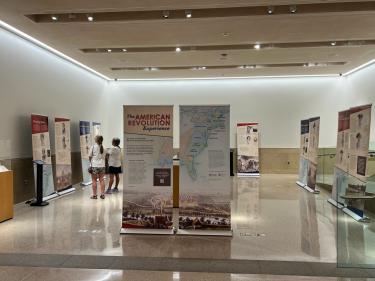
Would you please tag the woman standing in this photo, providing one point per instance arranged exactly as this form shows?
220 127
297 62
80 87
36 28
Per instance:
97 160
114 163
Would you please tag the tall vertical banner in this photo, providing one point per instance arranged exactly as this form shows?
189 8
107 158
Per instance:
42 151
248 150
353 137
148 154
308 164
96 130
85 143
63 154
205 190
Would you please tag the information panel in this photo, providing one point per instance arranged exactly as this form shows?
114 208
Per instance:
42 151
85 143
205 191
63 154
248 150
148 155
96 130
309 153
353 137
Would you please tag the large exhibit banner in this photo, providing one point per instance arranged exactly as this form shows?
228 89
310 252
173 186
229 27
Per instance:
96 130
148 155
353 137
205 189
63 154
85 143
248 149
309 139
42 151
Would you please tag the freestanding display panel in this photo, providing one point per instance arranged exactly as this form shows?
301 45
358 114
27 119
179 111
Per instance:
248 150
148 155
350 175
63 156
309 154
85 143
42 152
205 190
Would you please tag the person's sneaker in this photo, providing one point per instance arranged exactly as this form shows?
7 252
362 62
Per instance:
108 191
115 190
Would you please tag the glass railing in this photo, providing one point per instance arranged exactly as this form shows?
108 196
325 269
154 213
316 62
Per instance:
356 220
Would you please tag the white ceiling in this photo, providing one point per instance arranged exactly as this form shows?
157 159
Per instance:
70 38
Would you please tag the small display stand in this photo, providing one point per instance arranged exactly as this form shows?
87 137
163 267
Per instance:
38 202
6 195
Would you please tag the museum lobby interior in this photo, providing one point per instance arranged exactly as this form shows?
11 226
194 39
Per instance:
246 140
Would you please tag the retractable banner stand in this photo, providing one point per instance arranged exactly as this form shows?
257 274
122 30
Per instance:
349 184
63 156
42 152
247 150
148 155
205 190
85 142
309 154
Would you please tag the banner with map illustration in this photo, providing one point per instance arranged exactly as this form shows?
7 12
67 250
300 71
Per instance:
42 151
247 149
205 190
350 173
85 144
148 155
63 154
309 138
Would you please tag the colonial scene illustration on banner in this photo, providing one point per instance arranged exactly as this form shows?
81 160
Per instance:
148 155
353 137
205 192
42 151
85 143
309 139
247 149
63 156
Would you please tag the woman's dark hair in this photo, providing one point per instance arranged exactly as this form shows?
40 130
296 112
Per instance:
99 141
116 142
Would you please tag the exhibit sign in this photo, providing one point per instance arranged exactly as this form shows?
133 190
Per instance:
205 189
63 154
85 143
353 138
148 154
308 163
248 150
42 151
96 130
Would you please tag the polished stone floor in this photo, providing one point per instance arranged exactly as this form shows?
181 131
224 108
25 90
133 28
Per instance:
63 274
273 219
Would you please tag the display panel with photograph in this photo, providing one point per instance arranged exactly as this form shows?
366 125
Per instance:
148 154
85 144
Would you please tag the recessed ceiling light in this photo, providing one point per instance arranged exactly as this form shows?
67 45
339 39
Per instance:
188 14
54 18
270 10
90 18
165 14
293 9
225 34
109 50
203 67
124 50
178 49
257 46
333 43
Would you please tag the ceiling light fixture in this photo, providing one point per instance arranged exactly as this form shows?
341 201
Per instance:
188 14
225 34
270 10
257 46
90 18
165 14
178 49
109 50
54 18
293 9
333 43
124 50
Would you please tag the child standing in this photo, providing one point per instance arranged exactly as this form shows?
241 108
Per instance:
114 162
